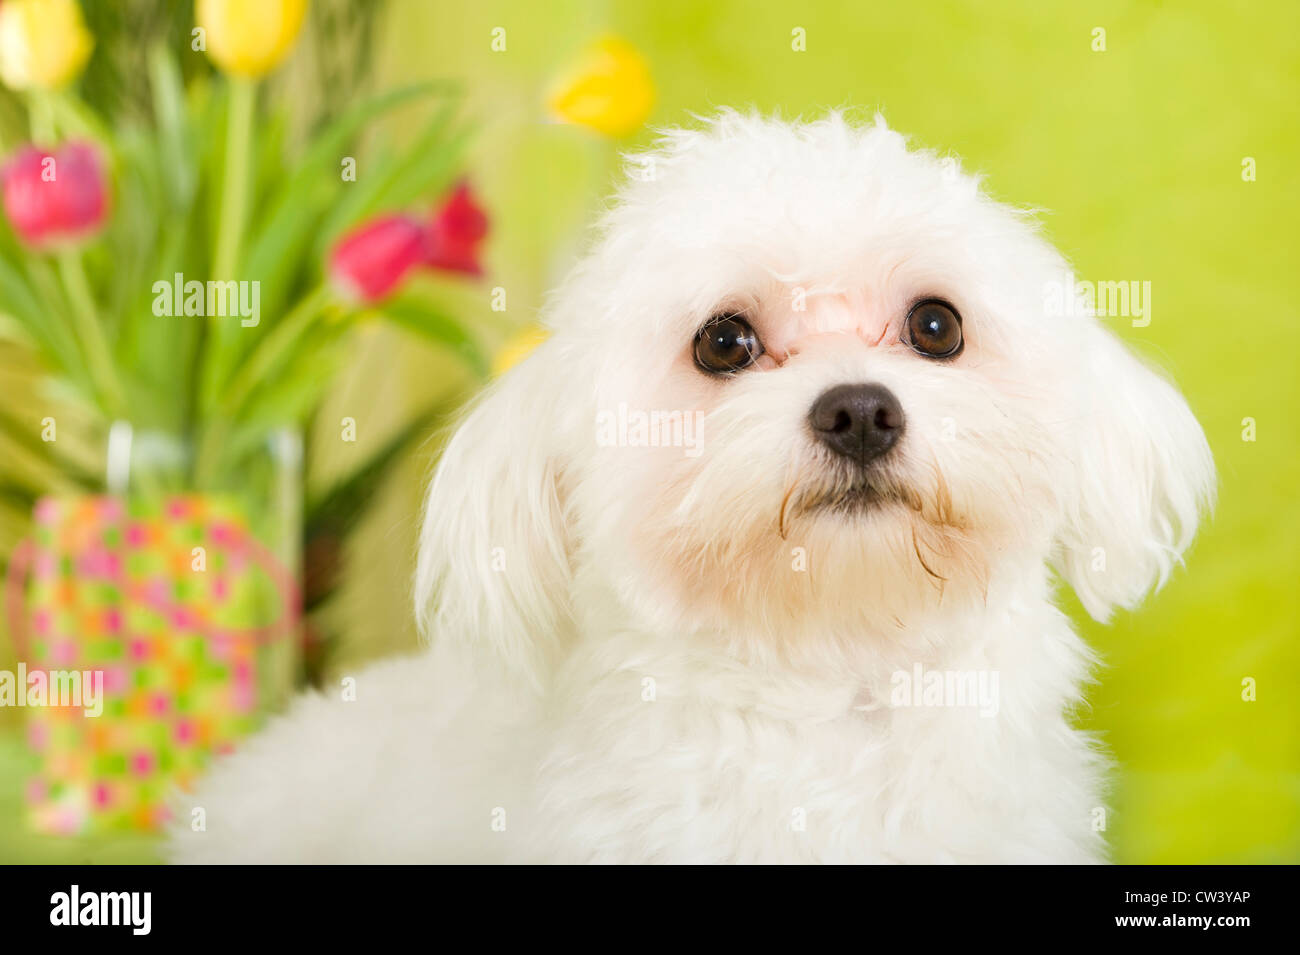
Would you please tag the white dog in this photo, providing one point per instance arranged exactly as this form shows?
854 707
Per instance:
752 560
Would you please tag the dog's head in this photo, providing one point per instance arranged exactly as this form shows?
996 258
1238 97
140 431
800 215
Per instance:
807 378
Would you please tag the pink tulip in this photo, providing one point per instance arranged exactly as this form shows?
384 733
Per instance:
455 233
369 262
55 198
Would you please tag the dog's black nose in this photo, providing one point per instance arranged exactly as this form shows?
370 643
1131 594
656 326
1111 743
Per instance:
860 422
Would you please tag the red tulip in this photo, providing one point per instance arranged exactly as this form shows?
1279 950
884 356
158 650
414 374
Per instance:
369 262
55 198
455 233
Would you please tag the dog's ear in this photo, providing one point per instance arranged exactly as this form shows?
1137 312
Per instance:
493 567
1143 475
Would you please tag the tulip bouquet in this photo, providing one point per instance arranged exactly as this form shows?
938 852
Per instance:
185 261
184 284
178 287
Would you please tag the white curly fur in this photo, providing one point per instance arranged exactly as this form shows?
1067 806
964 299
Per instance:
645 655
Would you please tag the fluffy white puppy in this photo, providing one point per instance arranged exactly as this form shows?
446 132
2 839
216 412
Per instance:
753 560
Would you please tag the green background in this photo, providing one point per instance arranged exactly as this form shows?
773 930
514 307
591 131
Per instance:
1136 154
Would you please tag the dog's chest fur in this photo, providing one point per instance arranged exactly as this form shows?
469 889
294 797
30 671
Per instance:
657 749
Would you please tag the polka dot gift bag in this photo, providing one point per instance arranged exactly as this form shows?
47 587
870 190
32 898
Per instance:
150 629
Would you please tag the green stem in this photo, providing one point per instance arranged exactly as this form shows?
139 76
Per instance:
61 328
234 184
86 325
266 355
40 113
268 352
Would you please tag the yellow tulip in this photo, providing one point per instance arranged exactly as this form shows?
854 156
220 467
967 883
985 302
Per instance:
249 37
43 43
518 347
608 89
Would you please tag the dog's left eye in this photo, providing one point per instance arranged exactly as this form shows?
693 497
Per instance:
725 344
933 329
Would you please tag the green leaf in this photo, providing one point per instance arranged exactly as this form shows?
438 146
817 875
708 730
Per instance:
295 209
428 172
391 185
343 504
17 301
438 327
169 111
75 119
291 393
39 312
276 252
25 436
19 499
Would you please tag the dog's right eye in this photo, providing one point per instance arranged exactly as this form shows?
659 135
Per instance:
726 344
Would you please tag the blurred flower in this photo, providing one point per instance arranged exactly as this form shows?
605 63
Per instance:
608 89
455 233
249 37
43 43
369 262
372 260
57 197
518 347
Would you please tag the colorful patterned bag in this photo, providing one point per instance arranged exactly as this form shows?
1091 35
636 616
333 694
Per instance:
160 602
